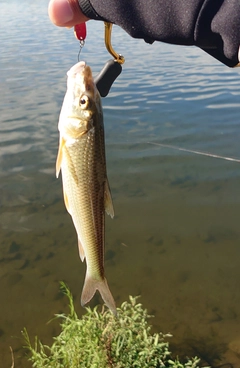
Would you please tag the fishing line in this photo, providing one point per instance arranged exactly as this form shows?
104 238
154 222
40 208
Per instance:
196 152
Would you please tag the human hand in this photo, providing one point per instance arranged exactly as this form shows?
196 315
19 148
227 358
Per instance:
65 13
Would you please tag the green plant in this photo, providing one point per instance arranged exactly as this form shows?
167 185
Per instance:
100 340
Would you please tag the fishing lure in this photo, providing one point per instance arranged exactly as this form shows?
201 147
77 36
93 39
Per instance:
80 31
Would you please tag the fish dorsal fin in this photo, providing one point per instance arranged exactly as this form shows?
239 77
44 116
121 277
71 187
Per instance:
108 204
81 250
59 156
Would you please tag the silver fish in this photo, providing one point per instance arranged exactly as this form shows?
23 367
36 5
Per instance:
81 159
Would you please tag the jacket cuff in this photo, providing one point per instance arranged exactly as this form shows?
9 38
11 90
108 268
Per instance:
89 11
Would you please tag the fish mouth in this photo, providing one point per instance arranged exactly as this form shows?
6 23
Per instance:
81 74
77 68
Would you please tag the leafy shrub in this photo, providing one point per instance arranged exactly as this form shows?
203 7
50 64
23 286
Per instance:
100 340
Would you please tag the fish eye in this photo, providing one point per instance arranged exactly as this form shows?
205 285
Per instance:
83 101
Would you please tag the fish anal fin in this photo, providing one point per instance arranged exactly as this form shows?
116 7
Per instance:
81 250
59 156
89 289
108 204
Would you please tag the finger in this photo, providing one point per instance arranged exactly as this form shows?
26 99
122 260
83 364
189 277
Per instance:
65 13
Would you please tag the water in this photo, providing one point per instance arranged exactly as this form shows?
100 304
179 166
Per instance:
175 237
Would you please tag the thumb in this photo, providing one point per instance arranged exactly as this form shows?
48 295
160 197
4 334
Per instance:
65 13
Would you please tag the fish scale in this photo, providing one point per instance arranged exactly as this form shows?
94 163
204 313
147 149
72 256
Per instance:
87 221
81 159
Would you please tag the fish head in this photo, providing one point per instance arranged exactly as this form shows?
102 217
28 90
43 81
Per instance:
82 102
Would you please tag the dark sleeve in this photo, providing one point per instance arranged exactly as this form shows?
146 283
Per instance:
213 25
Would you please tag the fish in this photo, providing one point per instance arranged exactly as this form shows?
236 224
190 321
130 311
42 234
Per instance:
82 161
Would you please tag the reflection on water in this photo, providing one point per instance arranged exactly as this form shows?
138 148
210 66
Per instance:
174 239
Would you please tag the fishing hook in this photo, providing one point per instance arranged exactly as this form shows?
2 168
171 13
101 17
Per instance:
108 32
81 43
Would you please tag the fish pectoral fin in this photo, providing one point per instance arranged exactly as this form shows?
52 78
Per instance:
81 250
59 156
108 204
65 197
89 289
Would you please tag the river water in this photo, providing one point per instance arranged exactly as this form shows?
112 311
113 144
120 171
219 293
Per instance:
175 237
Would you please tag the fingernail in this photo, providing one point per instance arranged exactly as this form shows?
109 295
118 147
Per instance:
63 11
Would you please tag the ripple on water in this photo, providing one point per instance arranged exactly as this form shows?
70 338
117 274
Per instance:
176 228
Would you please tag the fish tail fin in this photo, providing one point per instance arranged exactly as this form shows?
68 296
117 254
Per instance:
91 286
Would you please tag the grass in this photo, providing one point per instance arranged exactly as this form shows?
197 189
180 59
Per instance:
100 340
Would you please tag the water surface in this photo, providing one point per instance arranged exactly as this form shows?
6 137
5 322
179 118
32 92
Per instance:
175 237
